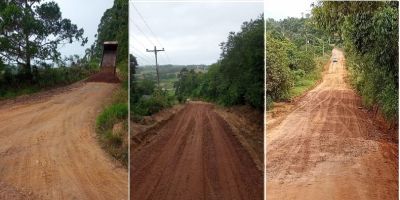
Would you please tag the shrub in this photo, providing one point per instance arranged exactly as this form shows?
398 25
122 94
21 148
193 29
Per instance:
111 115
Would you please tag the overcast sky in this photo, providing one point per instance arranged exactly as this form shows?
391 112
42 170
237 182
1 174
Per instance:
85 14
189 32
281 9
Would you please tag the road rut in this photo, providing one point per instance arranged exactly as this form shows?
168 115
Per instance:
194 156
328 147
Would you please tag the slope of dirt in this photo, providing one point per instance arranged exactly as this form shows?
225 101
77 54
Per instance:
328 147
49 148
247 125
194 156
145 129
105 76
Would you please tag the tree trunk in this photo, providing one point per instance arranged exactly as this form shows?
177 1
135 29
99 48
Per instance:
28 67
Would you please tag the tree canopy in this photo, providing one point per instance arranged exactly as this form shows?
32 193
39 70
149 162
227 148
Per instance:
114 26
238 77
31 31
292 48
369 33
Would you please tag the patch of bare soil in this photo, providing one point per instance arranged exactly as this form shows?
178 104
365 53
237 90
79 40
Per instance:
247 126
49 148
327 147
145 129
194 156
39 96
105 76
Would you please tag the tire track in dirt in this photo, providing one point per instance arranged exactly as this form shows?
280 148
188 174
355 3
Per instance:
194 156
49 151
328 148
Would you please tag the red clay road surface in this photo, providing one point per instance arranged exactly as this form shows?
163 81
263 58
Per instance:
194 156
48 148
328 148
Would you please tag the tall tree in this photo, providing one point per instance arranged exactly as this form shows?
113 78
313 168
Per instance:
31 30
369 34
114 26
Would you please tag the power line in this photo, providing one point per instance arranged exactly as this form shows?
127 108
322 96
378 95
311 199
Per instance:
155 54
141 56
144 56
151 31
140 43
147 25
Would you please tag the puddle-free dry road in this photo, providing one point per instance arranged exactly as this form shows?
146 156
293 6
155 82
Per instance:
194 156
48 148
328 148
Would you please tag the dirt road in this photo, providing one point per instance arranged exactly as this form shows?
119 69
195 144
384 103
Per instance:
48 148
194 156
328 147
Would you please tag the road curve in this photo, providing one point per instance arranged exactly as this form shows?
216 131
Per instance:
194 156
48 148
328 147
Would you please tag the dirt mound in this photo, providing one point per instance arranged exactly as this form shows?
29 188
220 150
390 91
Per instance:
194 156
247 125
105 76
145 129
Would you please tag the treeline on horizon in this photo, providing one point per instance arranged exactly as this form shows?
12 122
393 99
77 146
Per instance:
295 52
237 78
368 32
165 71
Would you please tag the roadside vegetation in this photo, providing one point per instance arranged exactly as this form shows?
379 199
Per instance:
31 32
30 36
368 32
146 97
296 52
112 122
237 78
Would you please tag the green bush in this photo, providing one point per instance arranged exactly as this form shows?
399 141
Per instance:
152 104
369 35
111 115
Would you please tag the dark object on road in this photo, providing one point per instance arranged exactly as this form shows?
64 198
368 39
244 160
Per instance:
108 64
334 59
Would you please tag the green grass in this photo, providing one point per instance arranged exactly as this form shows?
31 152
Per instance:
111 115
13 93
303 85
115 143
306 82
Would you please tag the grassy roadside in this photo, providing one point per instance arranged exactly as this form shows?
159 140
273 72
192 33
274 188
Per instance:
12 87
304 83
14 93
112 123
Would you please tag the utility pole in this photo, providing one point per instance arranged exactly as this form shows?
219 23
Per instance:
155 54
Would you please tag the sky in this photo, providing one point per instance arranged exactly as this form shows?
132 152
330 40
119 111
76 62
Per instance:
281 9
85 14
190 33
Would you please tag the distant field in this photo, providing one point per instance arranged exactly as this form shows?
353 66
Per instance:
168 74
